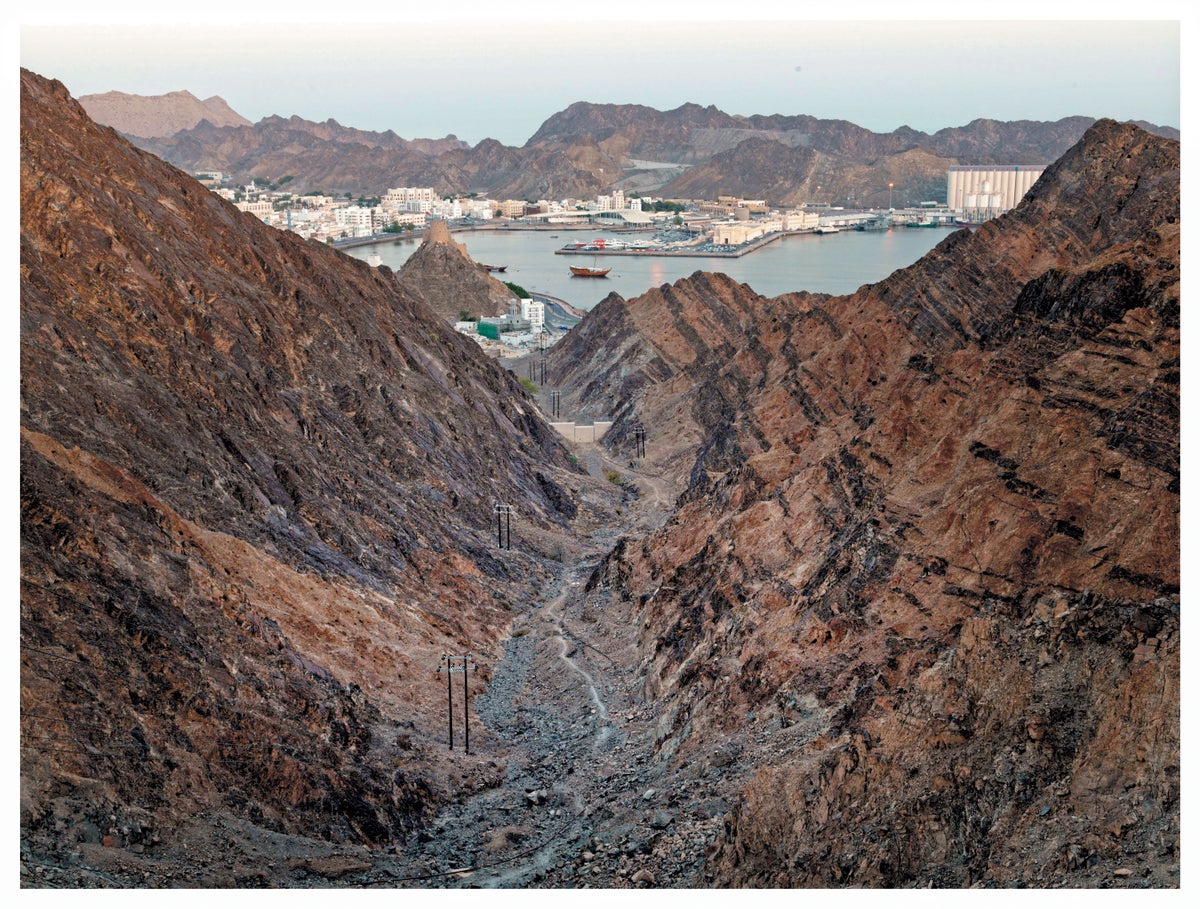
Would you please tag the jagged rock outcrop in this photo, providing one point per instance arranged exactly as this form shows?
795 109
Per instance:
257 480
442 274
153 116
927 555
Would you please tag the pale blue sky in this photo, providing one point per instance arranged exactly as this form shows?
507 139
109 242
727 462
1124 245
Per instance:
426 77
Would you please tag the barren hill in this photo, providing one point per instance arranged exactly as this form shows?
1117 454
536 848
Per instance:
153 116
892 599
926 549
257 488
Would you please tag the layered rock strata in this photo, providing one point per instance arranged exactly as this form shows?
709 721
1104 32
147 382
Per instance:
257 489
928 553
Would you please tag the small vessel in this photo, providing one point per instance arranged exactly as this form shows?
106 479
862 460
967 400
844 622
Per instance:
826 229
583 271
924 222
491 267
873 224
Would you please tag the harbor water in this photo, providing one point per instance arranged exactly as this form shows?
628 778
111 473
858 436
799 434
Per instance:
828 263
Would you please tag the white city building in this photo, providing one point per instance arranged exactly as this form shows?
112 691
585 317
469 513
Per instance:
534 312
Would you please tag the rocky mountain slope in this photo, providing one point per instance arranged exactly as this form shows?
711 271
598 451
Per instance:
927 554
590 148
257 488
788 159
332 158
155 116
443 276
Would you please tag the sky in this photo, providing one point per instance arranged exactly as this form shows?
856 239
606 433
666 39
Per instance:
426 72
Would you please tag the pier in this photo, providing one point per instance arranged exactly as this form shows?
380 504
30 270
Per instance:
684 251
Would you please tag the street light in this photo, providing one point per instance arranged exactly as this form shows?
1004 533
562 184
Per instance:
890 185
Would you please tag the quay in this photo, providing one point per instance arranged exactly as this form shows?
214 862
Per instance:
685 251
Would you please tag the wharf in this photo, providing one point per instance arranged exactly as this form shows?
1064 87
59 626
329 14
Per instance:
740 251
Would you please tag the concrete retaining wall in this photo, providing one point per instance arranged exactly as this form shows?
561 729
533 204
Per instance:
586 434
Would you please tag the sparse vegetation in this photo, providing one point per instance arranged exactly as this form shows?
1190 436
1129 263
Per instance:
517 289
613 476
529 386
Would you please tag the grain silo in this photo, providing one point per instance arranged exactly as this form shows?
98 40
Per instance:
984 191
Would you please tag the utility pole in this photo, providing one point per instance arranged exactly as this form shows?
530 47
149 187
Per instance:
639 439
503 524
445 667
451 663
555 403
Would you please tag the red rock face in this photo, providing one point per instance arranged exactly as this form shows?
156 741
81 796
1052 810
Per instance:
928 554
257 481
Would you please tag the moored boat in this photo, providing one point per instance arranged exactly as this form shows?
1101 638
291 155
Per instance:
491 267
583 271
873 224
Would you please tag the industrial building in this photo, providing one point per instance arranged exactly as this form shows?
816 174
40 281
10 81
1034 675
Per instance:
985 191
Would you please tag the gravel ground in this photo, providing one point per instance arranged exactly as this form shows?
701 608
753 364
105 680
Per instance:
567 788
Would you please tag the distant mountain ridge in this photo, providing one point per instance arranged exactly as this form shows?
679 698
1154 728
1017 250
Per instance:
590 148
150 116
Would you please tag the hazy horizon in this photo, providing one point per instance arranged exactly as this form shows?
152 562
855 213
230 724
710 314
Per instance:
475 80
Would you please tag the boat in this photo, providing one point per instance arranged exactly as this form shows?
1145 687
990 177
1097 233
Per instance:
873 224
491 267
924 222
826 229
583 271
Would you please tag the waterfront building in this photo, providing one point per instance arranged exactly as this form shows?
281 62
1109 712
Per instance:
800 220
512 208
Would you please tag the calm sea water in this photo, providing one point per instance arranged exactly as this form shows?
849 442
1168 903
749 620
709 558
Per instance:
827 263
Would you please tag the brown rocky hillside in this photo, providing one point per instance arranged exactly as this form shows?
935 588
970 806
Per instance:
442 275
257 482
927 556
892 600
153 116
